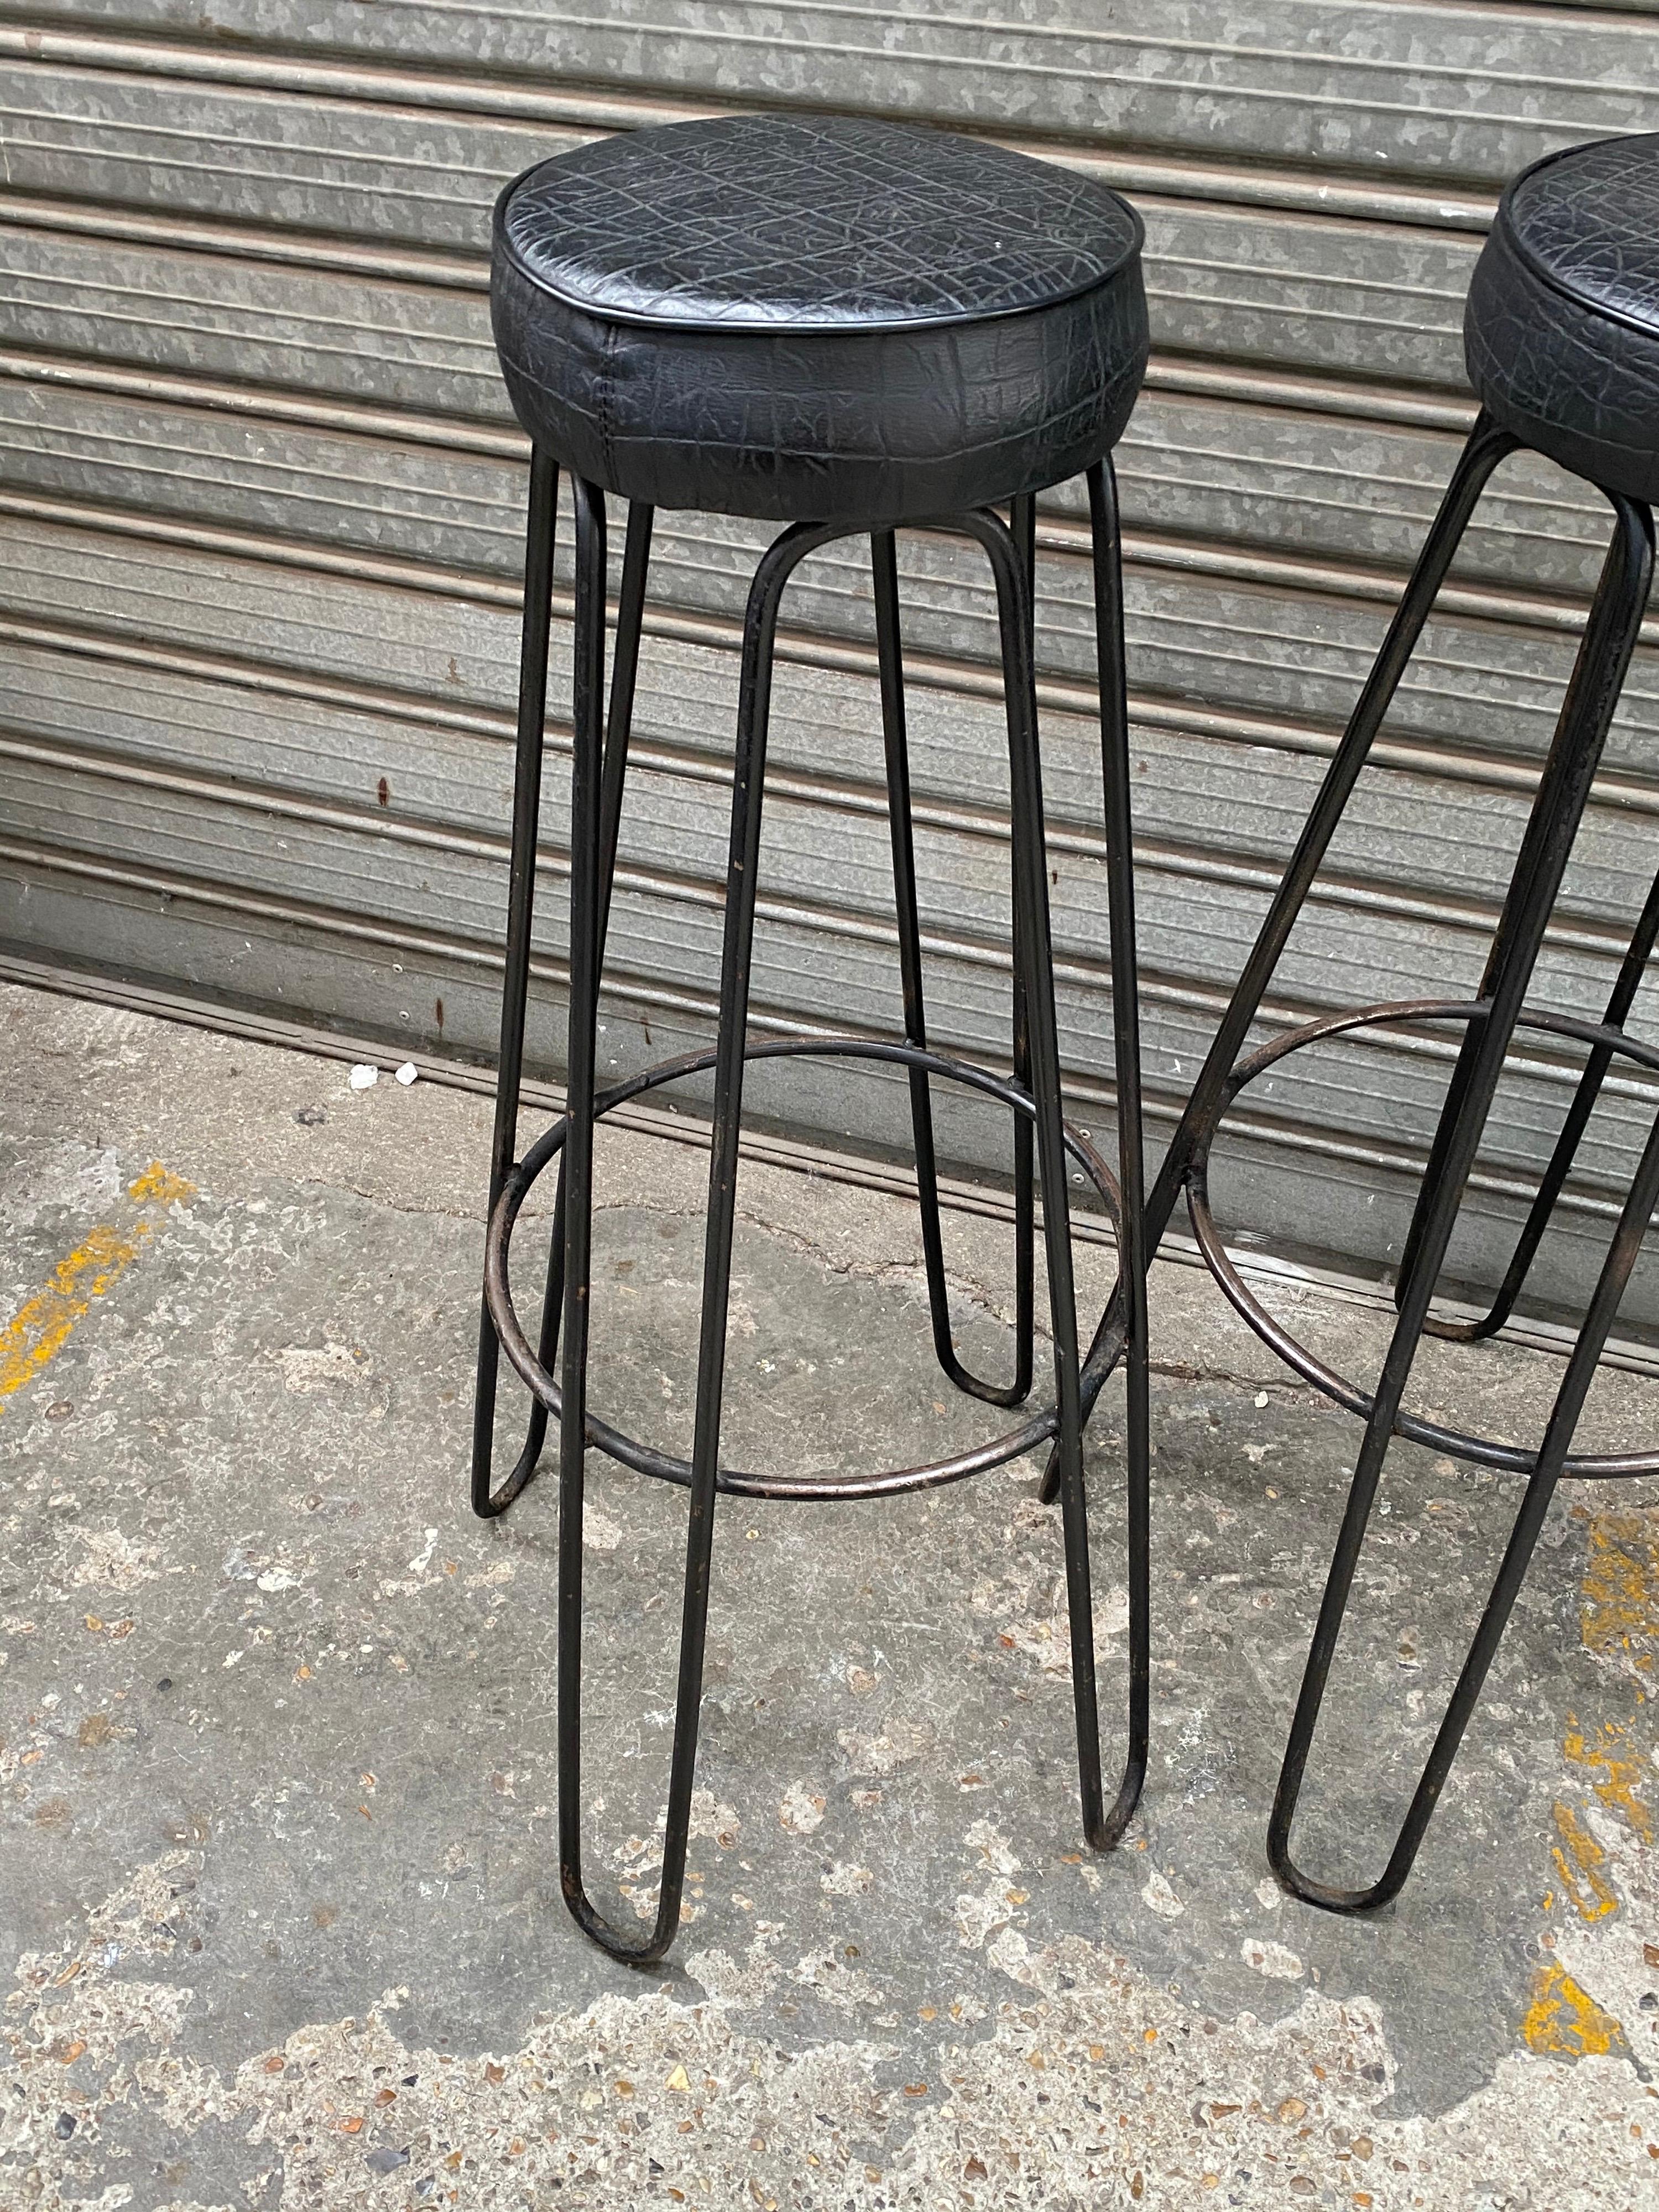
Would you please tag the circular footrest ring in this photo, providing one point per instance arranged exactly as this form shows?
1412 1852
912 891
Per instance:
665 1465
1483 1450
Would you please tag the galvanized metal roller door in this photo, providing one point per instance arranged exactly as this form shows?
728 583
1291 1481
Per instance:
262 497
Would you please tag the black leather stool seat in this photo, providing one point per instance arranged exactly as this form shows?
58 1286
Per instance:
1562 328
807 320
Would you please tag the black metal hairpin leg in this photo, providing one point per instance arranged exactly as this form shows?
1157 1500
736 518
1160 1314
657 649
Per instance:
1123 1328
1621 1257
1621 1000
619 723
1031 908
1131 1292
1592 694
625 671
884 569
760 625
521 899
1033 989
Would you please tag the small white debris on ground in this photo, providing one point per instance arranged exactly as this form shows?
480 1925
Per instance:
600 1532
363 1077
306 1368
712 1816
113 1561
845 1880
1157 1896
407 1074
492 1577
1271 1958
802 1809
993 1846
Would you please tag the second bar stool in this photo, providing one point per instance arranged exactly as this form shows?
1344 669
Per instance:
848 327
1562 338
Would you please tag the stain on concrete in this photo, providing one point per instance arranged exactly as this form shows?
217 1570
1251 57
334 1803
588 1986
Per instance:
32 1338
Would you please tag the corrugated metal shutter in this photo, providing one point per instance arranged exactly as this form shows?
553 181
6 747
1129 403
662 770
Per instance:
262 499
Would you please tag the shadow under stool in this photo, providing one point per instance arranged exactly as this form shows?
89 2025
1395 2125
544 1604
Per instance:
846 327
1562 341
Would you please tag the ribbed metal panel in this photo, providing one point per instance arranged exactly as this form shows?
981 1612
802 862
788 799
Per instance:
262 501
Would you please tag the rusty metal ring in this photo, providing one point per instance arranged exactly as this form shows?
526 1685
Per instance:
665 1465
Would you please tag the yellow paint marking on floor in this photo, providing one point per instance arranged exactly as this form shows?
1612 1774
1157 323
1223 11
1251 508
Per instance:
1579 1860
1620 1613
39 1330
1616 1770
1619 1620
1563 2022
158 1182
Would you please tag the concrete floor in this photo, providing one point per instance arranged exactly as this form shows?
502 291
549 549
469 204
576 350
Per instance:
275 1722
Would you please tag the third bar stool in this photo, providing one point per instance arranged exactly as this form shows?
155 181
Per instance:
846 327
1562 338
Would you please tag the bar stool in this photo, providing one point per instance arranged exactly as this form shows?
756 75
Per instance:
848 327
1562 340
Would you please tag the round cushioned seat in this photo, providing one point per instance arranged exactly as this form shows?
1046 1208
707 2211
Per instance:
1562 329
797 318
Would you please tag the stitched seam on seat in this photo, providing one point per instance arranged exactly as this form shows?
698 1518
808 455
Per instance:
758 329
806 330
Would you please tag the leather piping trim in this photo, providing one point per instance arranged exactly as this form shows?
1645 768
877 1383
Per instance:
800 330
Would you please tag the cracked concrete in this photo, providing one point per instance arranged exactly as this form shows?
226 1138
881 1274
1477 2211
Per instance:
275 1727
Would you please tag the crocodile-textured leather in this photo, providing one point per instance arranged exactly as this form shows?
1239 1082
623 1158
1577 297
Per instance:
1561 332
798 317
